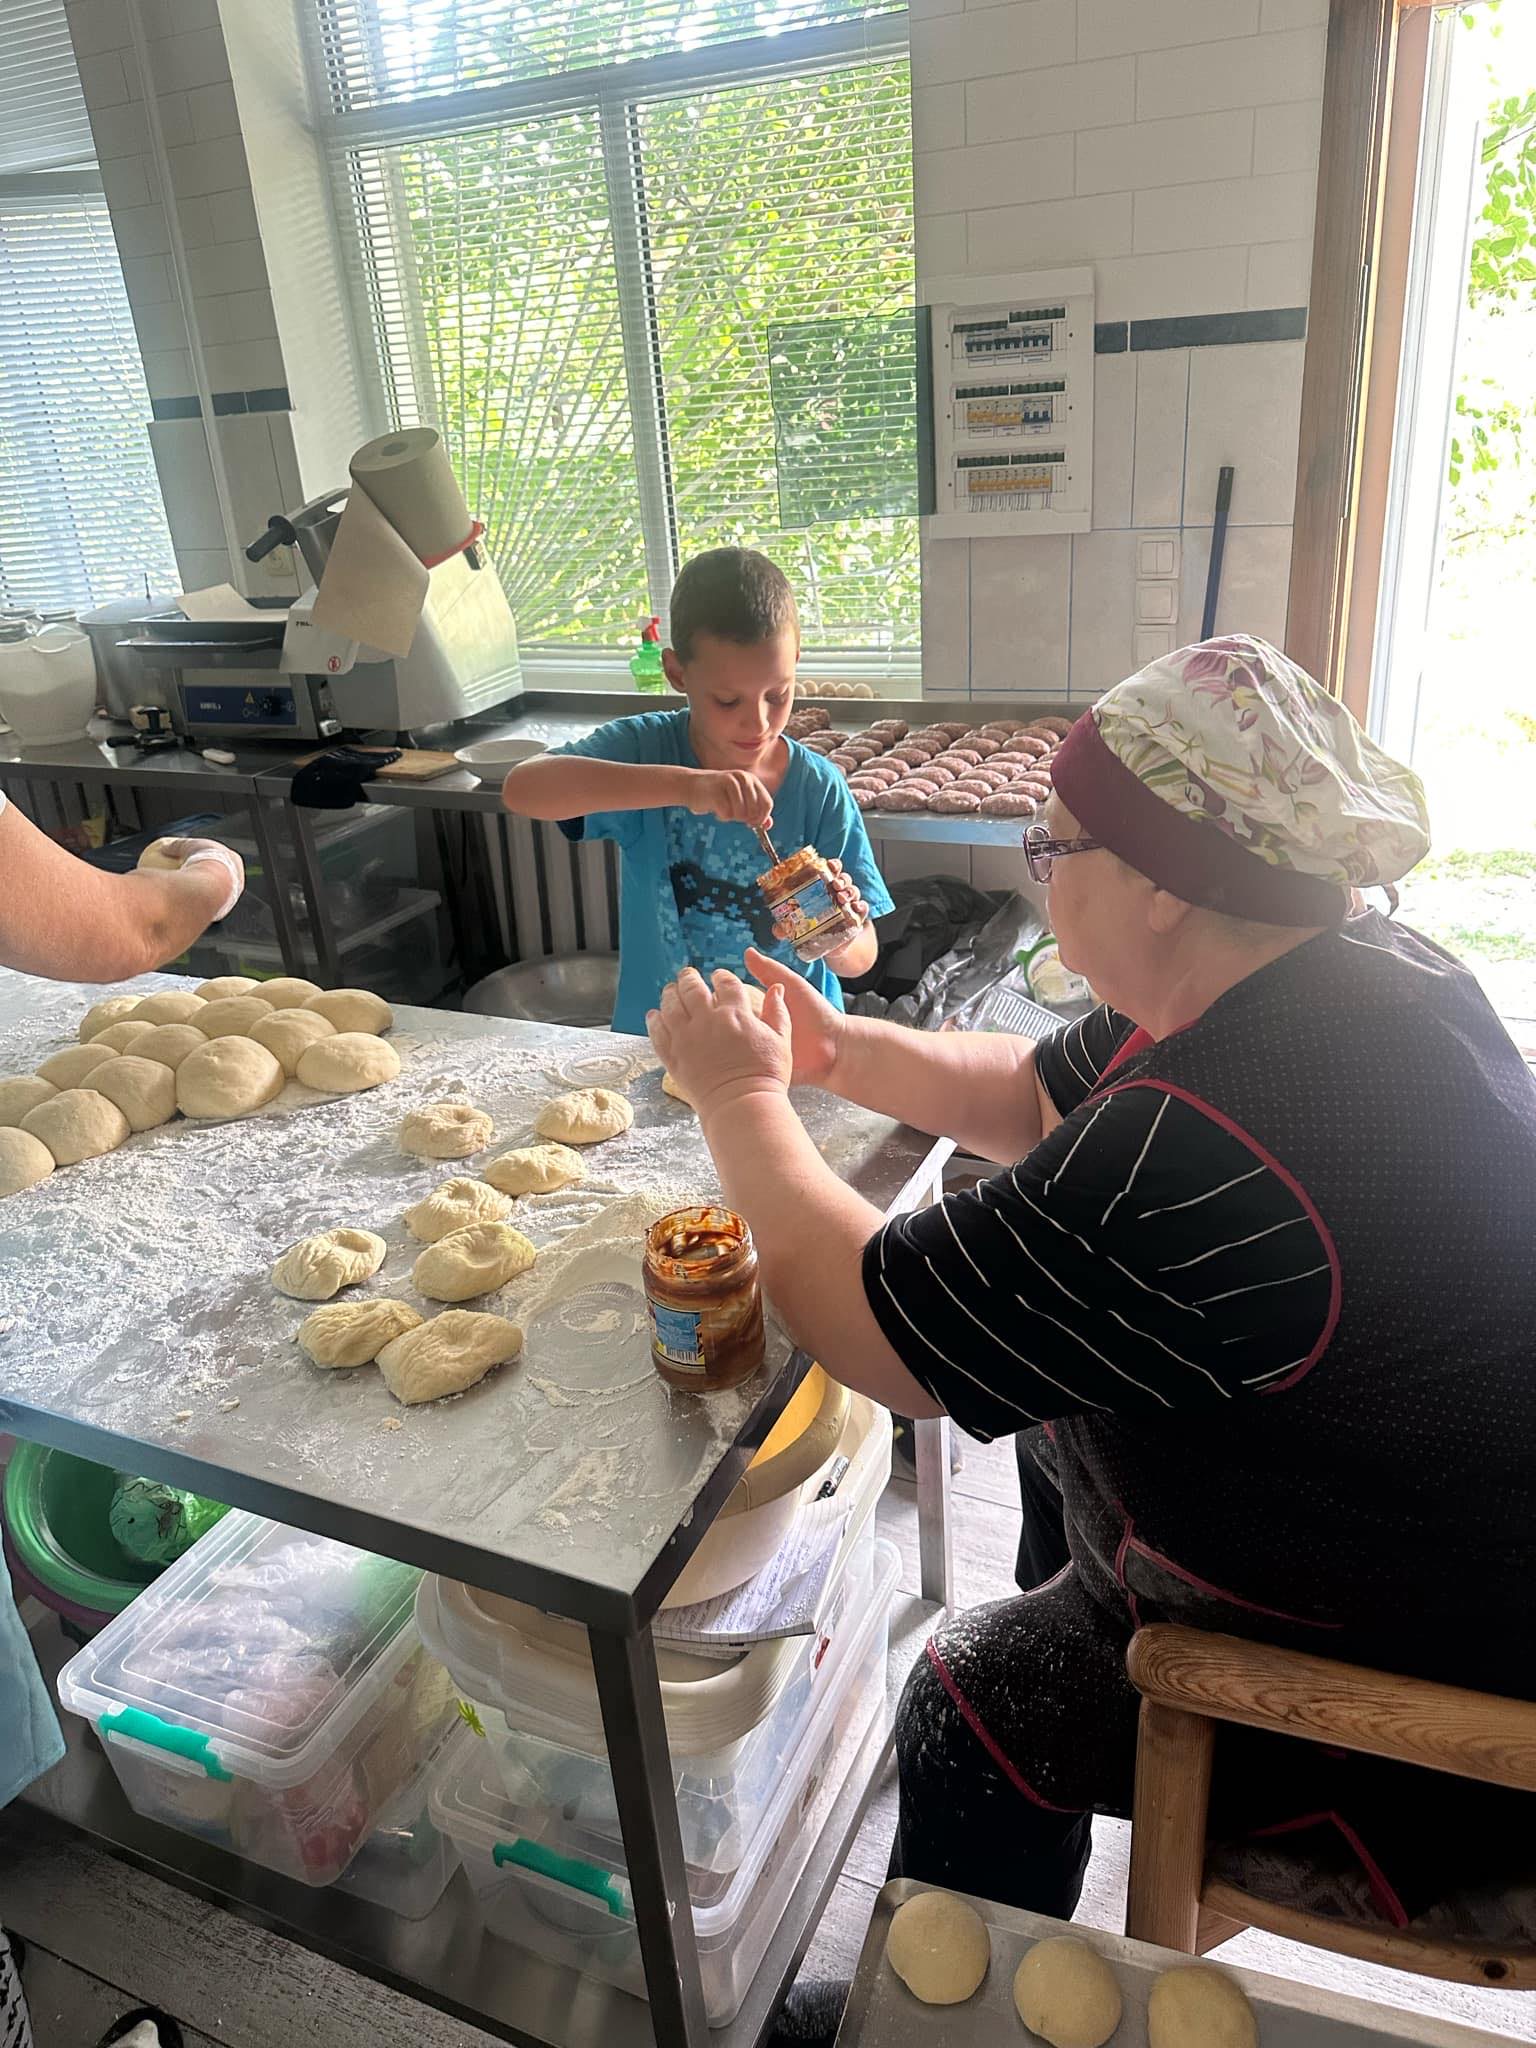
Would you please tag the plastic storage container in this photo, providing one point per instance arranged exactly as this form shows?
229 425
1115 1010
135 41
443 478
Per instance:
731 1726
269 1694
47 683
547 1892
405 1864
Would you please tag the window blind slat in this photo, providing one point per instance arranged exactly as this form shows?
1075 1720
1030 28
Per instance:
43 122
81 520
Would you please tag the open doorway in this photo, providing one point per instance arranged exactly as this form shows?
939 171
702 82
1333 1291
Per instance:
1454 682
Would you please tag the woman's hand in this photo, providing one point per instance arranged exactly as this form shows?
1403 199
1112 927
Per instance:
816 1026
713 1042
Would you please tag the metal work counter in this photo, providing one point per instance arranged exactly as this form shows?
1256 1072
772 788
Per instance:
138 1327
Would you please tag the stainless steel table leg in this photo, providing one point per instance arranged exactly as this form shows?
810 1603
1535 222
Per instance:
314 895
270 855
935 1531
629 1692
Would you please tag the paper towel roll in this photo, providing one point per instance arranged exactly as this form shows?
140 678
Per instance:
408 476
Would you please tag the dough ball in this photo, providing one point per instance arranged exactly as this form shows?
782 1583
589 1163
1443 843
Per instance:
670 1087
142 1089
67 1069
21 1092
77 1124
24 1161
158 859
169 1044
171 1006
347 1063
355 1332
288 991
535 1170
223 985
123 1037
227 1077
454 1205
351 1009
939 1947
476 1260
1195 2006
288 1034
232 1016
448 1354
317 1267
112 1011
585 1117
1067 1994
446 1130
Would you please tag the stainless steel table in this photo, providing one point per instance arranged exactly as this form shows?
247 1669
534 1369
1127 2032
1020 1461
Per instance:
142 1378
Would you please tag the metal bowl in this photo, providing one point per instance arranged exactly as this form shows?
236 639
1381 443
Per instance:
573 988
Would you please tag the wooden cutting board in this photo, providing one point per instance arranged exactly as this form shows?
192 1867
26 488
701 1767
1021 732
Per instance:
416 764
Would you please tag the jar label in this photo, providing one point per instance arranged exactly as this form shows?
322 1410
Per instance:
675 1336
796 916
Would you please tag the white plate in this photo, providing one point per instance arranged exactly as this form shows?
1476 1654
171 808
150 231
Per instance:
498 754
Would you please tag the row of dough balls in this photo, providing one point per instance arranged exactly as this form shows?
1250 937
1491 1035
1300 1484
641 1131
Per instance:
222 1050
471 1250
1064 1991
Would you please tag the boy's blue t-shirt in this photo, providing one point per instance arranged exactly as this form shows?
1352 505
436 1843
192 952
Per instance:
690 894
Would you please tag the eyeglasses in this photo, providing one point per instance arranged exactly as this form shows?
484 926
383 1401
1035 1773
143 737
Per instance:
1042 851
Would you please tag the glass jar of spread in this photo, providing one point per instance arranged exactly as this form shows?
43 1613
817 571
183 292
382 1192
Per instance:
705 1306
804 907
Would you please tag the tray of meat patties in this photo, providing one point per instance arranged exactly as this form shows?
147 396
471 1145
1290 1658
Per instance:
997 769
1083 1989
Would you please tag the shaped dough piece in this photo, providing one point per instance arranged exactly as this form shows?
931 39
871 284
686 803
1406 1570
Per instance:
535 1170
171 1006
288 1034
1067 1994
585 1117
475 1260
355 1332
348 1063
670 1087
232 1016
288 991
123 1037
448 1354
77 1124
110 1011
352 1009
1198 2007
157 858
169 1044
67 1069
939 1947
21 1092
454 1205
446 1130
317 1267
142 1089
24 1161
227 1077
223 985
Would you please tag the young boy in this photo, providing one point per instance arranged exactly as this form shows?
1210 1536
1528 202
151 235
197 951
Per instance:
681 793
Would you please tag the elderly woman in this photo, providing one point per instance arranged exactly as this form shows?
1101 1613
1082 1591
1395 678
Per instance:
1260 1259
62 917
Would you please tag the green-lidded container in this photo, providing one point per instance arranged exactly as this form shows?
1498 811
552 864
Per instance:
58 1537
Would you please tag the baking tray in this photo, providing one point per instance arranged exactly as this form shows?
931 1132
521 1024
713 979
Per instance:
882 2013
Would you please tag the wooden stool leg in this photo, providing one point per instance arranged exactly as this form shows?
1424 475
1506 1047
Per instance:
1173 1791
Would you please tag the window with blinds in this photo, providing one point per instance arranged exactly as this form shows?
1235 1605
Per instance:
578 228
81 519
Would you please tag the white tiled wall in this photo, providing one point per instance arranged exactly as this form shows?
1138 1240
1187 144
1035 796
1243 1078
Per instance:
1172 144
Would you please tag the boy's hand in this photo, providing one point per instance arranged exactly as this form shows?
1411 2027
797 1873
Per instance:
731 795
846 890
816 1028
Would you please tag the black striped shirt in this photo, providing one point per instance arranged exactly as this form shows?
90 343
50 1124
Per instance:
1147 1256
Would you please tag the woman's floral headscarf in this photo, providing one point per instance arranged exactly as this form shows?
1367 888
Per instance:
1227 775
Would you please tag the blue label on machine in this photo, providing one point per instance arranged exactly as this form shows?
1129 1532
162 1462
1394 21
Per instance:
234 704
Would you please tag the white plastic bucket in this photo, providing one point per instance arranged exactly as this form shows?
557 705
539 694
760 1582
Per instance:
48 685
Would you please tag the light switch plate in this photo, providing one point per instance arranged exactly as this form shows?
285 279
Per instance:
1157 604
1157 556
1151 643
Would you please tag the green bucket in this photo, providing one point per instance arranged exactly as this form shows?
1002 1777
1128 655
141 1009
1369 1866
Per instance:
59 1544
